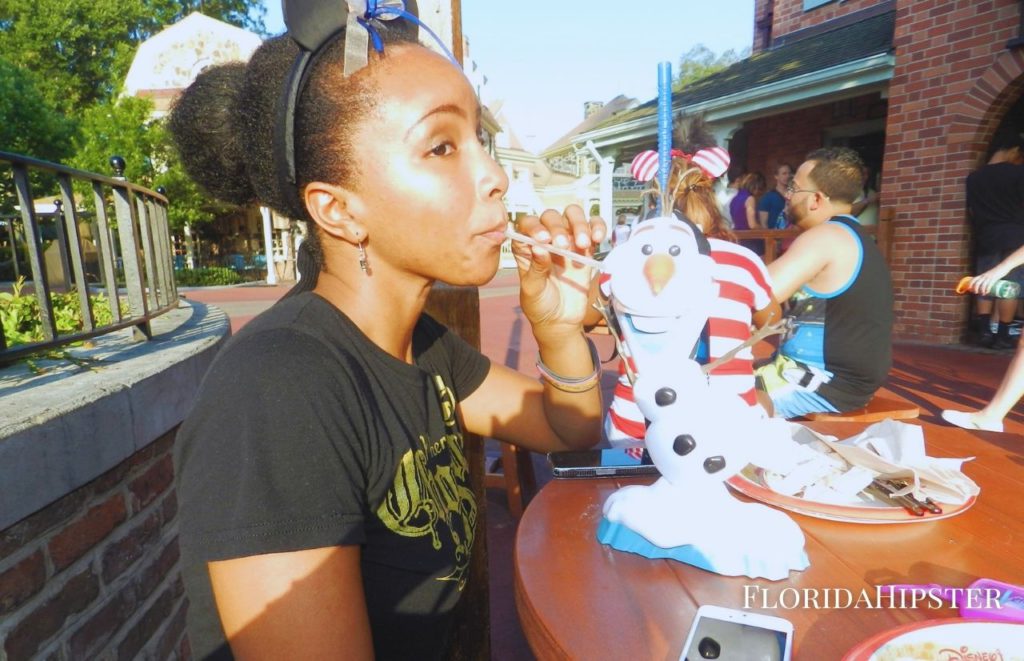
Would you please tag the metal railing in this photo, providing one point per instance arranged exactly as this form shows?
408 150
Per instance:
111 238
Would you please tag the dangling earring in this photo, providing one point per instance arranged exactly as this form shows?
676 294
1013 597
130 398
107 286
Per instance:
363 264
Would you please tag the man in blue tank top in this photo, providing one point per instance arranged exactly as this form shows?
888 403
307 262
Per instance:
839 349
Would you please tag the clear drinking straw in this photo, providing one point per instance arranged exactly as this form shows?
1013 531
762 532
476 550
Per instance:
568 254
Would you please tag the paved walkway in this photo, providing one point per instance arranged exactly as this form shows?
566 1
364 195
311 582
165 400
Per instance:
932 377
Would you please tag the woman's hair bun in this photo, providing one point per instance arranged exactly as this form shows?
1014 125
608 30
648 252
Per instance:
692 133
204 128
258 111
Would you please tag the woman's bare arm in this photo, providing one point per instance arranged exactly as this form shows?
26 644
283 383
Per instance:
515 408
750 206
296 605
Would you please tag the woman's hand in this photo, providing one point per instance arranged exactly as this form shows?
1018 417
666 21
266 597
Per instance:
981 284
554 290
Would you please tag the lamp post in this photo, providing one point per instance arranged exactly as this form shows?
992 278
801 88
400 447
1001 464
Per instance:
117 164
62 247
268 243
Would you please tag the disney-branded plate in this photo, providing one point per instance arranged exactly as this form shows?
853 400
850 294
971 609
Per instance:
951 639
867 509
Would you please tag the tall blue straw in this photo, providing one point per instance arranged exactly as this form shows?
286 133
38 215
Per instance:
664 129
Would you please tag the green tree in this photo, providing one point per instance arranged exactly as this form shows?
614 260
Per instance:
81 49
188 204
30 125
700 62
68 59
125 128
121 127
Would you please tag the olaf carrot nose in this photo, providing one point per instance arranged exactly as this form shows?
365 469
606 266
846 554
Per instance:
658 270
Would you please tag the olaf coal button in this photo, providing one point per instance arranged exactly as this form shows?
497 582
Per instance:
684 444
714 464
665 397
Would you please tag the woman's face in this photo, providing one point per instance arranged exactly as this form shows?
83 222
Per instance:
431 195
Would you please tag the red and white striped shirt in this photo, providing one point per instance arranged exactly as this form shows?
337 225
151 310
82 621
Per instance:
744 288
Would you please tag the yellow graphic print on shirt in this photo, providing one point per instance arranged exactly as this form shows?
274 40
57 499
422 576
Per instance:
433 498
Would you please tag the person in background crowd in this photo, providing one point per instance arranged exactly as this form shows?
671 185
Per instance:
648 206
771 208
995 207
323 485
621 232
865 207
1011 389
725 191
743 208
839 349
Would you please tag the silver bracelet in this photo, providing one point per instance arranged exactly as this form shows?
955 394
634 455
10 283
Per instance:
573 384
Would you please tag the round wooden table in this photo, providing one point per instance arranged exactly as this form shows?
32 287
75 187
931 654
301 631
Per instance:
580 599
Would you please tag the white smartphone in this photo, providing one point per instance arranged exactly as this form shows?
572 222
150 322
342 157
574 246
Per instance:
734 635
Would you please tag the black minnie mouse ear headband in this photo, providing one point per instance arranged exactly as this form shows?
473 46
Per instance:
311 24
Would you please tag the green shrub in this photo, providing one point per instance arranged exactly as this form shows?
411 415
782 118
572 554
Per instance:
205 277
22 322
7 267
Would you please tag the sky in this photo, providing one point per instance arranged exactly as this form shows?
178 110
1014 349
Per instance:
545 58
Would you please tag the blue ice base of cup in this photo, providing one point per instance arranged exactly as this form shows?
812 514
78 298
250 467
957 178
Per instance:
622 538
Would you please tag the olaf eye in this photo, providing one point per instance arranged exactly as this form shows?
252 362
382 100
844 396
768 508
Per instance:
674 251
647 249
684 445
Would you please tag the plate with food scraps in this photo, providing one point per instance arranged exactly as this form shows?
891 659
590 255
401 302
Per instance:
862 508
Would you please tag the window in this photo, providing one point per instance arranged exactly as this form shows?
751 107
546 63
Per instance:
811 4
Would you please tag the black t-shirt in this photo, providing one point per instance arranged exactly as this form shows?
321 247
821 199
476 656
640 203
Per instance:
305 435
995 197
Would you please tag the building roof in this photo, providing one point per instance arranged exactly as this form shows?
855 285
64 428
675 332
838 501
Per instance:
598 118
171 59
489 121
797 57
509 138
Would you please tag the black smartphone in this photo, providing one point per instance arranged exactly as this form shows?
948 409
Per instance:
611 462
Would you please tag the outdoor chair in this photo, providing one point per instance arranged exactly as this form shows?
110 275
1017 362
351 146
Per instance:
516 478
879 408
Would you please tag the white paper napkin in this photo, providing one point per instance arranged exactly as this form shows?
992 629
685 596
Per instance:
799 461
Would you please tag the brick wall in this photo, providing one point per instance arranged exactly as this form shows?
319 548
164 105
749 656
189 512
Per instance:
789 16
787 138
95 574
761 10
954 80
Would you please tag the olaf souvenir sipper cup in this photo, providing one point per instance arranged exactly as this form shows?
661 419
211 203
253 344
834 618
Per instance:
999 289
